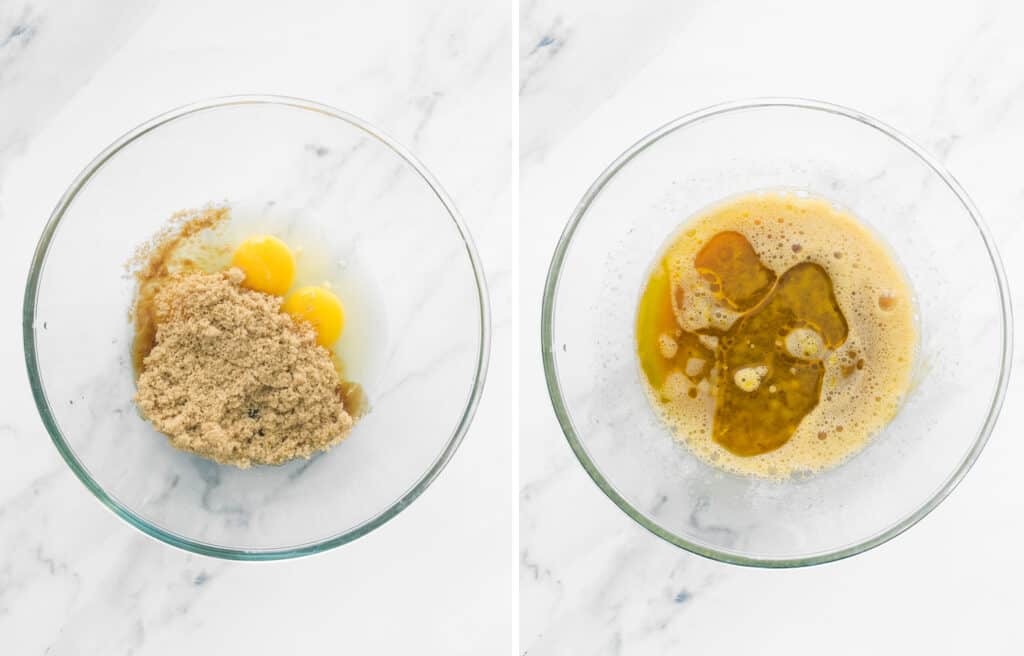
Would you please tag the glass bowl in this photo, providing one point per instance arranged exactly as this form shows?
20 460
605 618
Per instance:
371 205
601 264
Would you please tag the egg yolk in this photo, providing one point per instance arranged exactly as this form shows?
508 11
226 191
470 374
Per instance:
268 264
319 307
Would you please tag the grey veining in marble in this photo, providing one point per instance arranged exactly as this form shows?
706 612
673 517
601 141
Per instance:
594 79
75 579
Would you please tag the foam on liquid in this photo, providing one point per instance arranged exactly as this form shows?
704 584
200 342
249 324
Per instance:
865 377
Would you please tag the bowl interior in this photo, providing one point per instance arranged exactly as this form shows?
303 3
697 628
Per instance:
602 264
363 202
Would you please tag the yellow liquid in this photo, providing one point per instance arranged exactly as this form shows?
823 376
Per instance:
776 334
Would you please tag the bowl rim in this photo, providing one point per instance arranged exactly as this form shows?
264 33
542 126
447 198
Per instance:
198 546
560 405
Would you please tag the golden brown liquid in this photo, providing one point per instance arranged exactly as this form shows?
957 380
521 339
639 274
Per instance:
746 348
737 275
660 320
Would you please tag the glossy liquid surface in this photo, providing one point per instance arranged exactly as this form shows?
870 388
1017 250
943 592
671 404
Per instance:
747 349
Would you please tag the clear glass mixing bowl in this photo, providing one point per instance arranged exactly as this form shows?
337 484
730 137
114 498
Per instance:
602 261
373 206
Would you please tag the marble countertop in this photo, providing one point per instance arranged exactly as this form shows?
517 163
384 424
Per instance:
439 78
594 78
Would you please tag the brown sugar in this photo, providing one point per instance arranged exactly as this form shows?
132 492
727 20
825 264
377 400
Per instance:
232 378
155 261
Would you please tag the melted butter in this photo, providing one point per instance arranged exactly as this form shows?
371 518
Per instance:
736 273
772 390
656 321
763 419
804 321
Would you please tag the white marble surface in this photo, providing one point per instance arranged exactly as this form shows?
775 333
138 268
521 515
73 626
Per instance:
437 76
594 78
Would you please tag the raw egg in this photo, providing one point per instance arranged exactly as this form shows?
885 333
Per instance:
320 308
268 264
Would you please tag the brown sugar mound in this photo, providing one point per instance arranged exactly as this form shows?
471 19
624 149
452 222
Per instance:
232 378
